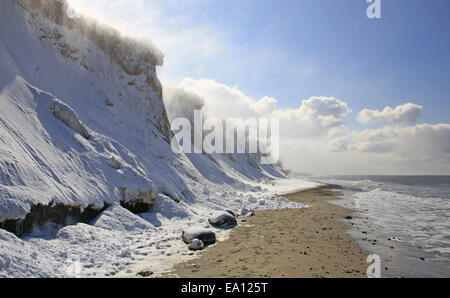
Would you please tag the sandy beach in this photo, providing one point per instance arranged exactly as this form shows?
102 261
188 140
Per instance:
291 243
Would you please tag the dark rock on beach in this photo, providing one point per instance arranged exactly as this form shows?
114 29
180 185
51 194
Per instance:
145 273
208 237
196 244
221 219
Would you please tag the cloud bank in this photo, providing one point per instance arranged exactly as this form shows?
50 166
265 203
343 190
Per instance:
423 140
407 113
316 116
315 136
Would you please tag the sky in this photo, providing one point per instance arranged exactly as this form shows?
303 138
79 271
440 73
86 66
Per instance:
354 95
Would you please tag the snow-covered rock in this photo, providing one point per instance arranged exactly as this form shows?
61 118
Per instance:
67 115
196 244
205 235
232 212
222 218
114 163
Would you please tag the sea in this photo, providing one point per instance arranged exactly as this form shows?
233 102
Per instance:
403 219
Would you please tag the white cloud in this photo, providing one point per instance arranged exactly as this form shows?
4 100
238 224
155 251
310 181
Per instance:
339 144
408 113
427 141
316 116
328 112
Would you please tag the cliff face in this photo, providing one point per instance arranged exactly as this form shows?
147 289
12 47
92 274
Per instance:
99 85
135 57
83 123
110 40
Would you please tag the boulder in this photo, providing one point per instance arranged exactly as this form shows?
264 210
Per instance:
247 212
206 236
196 244
223 218
145 273
231 212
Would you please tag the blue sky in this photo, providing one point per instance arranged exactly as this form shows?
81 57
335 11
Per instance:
331 48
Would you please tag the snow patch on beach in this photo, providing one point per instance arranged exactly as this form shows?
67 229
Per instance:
119 243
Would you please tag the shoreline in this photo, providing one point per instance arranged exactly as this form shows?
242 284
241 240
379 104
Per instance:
399 258
290 243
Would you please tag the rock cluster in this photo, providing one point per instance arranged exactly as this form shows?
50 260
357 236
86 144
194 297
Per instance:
199 238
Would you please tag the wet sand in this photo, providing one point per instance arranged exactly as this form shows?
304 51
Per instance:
292 243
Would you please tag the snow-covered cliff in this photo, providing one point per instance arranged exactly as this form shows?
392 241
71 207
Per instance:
82 118
83 127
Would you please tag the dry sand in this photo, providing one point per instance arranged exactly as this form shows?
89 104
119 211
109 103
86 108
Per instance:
293 243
